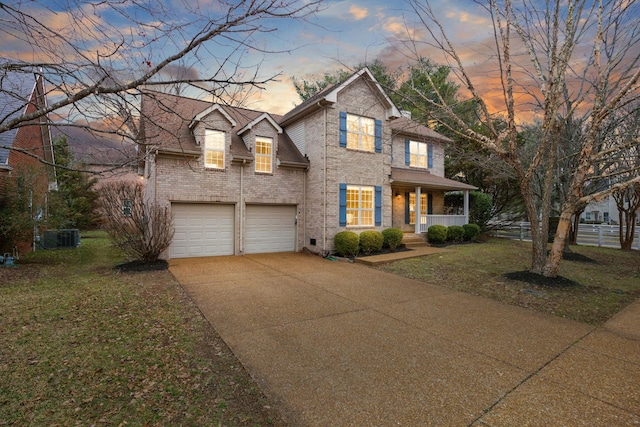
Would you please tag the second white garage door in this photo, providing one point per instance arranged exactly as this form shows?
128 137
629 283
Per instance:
270 228
202 230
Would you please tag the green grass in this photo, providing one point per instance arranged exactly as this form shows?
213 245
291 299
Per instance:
604 287
82 344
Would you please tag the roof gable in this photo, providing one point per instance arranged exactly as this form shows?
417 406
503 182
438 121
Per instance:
16 90
263 116
329 95
211 109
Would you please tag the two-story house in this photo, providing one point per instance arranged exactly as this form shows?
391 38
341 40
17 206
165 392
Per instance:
26 153
241 181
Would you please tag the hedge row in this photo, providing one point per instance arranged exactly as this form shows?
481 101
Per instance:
454 233
348 243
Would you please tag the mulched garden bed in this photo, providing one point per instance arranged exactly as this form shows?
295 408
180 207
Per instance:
137 266
539 280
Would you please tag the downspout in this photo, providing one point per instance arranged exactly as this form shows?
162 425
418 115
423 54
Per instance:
304 208
324 183
241 204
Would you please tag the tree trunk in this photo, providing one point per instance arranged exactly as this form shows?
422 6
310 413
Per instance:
552 266
538 237
576 225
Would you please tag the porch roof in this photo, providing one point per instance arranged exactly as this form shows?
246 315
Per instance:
427 180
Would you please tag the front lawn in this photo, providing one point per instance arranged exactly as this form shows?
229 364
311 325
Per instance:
82 344
602 287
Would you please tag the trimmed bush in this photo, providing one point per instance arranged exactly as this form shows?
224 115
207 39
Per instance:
471 232
455 233
392 238
346 243
371 241
437 234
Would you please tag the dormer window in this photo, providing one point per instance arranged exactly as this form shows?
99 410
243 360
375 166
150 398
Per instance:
264 154
214 144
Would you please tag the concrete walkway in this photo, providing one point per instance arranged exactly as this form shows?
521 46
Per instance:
342 344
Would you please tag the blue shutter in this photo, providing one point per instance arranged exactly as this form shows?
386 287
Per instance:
378 204
378 136
430 155
429 204
343 205
407 214
343 129
407 152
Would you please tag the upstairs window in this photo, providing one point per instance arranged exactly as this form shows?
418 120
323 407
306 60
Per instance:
214 144
418 154
360 133
264 154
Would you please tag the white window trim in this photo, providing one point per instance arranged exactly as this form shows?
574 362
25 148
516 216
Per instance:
414 157
360 133
270 155
360 209
207 147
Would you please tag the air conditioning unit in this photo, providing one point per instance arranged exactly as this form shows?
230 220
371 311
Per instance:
54 239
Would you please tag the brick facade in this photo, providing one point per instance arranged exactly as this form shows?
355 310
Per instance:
311 181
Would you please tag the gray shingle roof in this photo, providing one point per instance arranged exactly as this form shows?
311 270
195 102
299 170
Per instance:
15 92
166 121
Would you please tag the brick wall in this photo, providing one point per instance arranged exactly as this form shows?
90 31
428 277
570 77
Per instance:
182 179
343 165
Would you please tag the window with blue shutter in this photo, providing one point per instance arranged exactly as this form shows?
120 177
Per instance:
378 136
407 152
378 204
430 156
430 204
343 205
343 129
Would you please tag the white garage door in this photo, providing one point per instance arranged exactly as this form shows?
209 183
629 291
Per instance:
270 229
202 230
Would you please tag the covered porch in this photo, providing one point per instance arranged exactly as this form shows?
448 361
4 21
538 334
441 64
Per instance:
418 200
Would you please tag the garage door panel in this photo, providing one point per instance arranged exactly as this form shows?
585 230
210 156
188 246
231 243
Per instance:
270 228
202 230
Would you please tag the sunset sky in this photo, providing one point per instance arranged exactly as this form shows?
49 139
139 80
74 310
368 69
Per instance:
343 34
350 32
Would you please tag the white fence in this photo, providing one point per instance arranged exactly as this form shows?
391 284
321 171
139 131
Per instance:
588 234
427 221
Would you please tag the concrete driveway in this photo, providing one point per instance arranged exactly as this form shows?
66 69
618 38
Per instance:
340 344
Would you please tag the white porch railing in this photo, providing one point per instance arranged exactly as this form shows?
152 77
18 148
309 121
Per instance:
427 221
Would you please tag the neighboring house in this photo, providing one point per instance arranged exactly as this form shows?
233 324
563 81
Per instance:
603 212
240 181
24 148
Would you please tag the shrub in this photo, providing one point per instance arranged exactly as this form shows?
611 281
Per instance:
346 243
141 230
471 232
371 241
392 238
437 234
455 233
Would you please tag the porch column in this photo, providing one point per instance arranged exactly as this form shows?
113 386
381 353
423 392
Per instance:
466 206
417 210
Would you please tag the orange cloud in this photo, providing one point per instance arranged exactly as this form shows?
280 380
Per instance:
358 12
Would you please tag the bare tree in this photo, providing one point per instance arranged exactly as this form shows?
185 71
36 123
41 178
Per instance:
553 60
141 230
96 55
